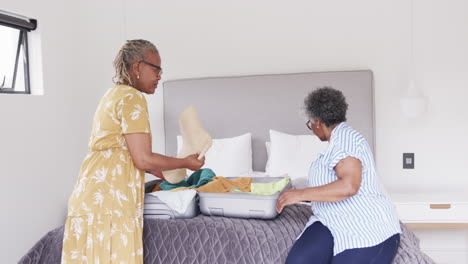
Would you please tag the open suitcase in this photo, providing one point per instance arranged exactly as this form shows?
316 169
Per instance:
155 208
242 205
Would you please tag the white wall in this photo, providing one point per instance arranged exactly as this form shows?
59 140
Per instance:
41 150
43 139
35 160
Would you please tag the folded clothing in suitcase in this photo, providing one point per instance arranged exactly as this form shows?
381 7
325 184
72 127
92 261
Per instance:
155 208
242 205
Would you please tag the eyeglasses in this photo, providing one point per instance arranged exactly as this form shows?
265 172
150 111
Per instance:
309 124
160 70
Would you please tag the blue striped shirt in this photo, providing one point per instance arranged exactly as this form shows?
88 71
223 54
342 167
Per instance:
365 219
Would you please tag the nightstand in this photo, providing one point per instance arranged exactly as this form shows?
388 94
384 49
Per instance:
432 211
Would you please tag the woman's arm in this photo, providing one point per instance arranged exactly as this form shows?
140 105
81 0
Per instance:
349 173
139 146
157 174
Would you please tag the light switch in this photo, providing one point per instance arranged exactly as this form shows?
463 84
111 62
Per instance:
408 160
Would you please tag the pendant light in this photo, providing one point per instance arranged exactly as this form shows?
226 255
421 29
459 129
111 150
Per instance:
413 103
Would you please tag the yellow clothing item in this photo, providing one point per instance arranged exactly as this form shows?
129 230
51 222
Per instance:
269 188
222 185
157 187
105 210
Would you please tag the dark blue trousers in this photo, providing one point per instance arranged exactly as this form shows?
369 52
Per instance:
316 246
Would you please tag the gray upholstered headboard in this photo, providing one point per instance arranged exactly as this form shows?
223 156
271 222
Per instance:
231 106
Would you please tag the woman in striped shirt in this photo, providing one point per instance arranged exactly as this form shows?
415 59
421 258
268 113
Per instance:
353 221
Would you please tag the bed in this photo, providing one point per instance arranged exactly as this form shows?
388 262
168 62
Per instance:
230 106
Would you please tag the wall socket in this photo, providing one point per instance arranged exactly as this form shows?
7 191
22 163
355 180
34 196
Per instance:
408 160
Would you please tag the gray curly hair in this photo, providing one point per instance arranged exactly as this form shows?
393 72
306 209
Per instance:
133 50
326 104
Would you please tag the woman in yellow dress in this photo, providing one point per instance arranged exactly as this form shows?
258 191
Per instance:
105 219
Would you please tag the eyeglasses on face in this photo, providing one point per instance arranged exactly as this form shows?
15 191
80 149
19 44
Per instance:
310 124
160 70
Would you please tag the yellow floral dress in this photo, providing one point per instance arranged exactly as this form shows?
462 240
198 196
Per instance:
104 222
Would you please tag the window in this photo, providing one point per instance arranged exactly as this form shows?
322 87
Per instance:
14 62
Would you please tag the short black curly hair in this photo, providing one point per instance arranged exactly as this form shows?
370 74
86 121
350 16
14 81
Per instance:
326 104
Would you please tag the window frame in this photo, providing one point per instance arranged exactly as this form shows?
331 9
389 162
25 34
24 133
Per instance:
24 25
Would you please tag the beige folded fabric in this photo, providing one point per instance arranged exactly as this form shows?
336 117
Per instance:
220 184
195 140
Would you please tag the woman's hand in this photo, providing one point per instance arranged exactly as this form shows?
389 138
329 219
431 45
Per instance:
289 197
193 163
157 174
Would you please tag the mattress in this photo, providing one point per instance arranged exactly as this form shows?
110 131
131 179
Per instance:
220 240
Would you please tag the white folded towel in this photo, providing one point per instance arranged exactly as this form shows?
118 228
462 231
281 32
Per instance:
178 201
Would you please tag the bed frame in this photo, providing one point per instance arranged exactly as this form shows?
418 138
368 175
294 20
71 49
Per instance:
231 106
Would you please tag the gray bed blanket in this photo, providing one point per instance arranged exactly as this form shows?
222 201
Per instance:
206 239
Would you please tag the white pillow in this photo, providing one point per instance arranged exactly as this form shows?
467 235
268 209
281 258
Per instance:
267 165
228 157
293 155
258 174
